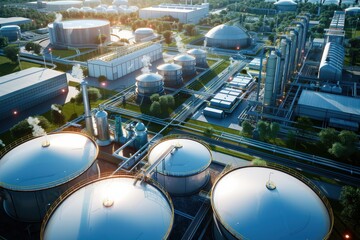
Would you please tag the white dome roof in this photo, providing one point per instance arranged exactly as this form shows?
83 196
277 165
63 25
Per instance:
190 158
30 166
138 211
144 31
149 77
184 58
169 67
285 3
353 9
245 206
196 51
226 32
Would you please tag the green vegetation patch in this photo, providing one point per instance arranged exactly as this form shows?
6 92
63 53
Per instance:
7 67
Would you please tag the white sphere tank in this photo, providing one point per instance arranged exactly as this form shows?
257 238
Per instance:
33 176
184 169
172 74
149 83
267 203
117 207
187 62
200 56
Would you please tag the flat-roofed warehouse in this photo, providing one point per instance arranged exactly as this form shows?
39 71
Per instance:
14 21
329 107
185 13
24 89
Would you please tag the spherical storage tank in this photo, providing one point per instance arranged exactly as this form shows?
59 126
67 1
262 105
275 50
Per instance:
264 202
149 83
12 32
187 63
78 33
225 36
184 168
172 74
34 174
111 208
200 56
143 33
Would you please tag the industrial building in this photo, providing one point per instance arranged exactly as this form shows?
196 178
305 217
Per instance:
111 208
263 203
14 21
124 60
185 164
36 172
241 81
330 2
58 6
225 36
79 33
185 13
285 6
254 64
331 63
12 32
24 89
326 106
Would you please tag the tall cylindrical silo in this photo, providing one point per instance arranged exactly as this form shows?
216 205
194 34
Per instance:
200 56
269 203
117 207
34 174
102 126
270 79
172 74
184 164
293 37
187 63
285 47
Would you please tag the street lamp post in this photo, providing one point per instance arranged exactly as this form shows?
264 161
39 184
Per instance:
50 52
18 55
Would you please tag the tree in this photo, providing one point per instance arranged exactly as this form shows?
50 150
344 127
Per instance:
93 93
304 124
154 97
72 100
163 103
170 101
11 52
291 139
3 42
274 129
209 131
189 29
350 201
155 108
33 47
263 130
23 128
258 162
247 129
328 137
57 115
338 150
167 36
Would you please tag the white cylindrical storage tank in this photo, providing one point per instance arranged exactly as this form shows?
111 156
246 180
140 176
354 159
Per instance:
172 74
33 175
102 126
141 135
187 63
184 168
12 32
269 203
143 33
149 83
269 80
118 207
91 3
200 56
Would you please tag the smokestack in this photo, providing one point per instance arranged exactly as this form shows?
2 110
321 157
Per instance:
88 118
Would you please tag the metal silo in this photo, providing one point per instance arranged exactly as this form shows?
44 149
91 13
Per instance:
294 37
34 174
102 126
117 207
172 74
285 46
184 164
200 56
141 137
148 84
269 203
187 62
270 79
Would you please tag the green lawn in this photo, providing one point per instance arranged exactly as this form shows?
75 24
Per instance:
188 39
63 53
7 67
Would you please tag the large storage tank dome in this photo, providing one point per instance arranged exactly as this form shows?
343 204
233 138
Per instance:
33 176
91 3
259 202
111 208
73 10
286 5
200 56
184 168
149 83
12 32
144 34
87 10
187 62
225 36
352 10
120 2
172 74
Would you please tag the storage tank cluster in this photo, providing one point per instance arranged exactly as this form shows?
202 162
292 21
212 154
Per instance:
36 172
184 166
187 62
172 74
258 202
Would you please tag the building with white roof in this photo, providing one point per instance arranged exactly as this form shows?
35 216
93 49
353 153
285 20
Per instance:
185 13
27 88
